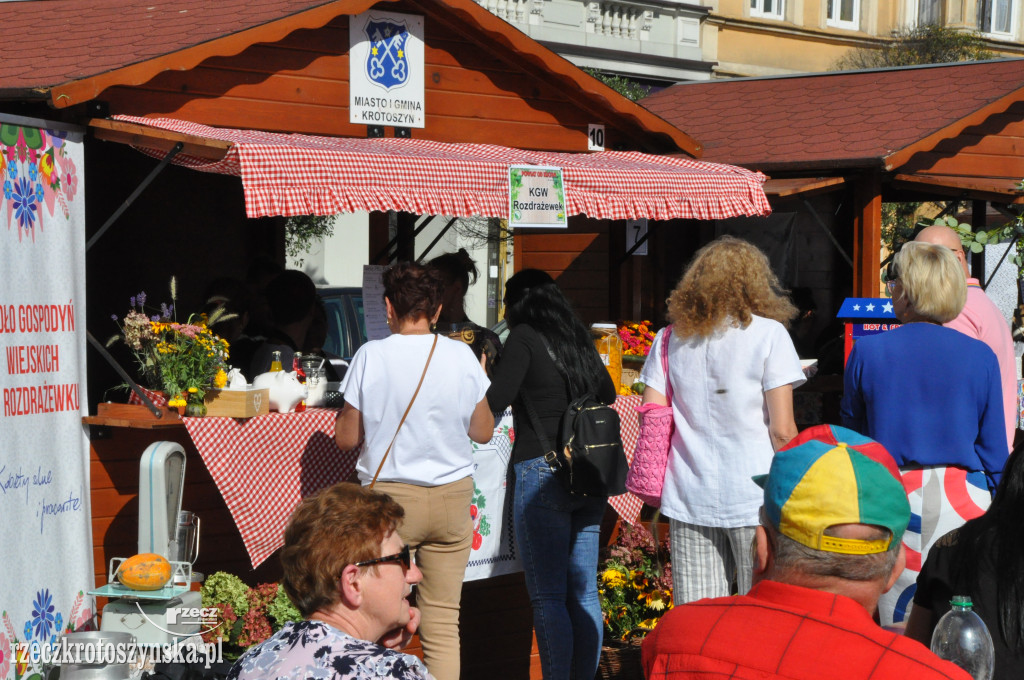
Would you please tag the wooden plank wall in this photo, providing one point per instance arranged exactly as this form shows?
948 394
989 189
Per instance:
300 84
588 261
496 621
577 258
993 148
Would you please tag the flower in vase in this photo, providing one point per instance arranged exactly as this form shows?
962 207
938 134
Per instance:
177 358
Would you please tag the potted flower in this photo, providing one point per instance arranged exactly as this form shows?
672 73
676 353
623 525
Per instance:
636 337
635 590
183 360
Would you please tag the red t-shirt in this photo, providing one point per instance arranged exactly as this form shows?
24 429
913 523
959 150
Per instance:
787 632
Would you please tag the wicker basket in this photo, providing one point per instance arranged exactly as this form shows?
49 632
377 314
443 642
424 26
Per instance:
621 660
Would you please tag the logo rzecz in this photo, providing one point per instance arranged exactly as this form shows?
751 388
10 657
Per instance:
205 617
387 63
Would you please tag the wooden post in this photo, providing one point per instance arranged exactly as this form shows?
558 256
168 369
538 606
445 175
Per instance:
619 271
406 238
379 236
867 235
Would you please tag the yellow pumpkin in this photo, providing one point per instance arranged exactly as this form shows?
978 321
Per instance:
145 571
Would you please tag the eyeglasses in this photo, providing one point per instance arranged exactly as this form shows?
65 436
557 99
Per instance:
890 285
403 556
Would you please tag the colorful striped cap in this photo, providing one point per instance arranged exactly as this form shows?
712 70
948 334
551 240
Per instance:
830 475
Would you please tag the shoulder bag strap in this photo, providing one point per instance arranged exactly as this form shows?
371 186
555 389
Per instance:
559 367
404 415
549 453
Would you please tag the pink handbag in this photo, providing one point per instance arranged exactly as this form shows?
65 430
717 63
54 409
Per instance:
646 475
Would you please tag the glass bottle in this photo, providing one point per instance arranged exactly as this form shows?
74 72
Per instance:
300 374
275 362
963 638
609 346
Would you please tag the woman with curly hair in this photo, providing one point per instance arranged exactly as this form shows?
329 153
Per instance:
348 572
732 368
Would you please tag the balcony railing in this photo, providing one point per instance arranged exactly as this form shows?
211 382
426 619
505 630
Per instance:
614 19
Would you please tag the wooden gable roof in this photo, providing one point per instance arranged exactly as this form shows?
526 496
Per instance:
282 65
946 121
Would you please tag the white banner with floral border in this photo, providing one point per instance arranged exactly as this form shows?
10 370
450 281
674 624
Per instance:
46 532
494 549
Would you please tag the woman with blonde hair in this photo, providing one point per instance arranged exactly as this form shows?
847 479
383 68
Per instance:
732 368
932 397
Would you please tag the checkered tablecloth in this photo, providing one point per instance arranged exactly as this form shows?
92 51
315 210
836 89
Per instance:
627 505
264 466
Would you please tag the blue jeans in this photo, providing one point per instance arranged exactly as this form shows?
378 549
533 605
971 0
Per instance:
558 537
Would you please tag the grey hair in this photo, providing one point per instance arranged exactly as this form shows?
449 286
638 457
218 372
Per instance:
790 555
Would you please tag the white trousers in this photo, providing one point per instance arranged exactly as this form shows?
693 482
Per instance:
709 561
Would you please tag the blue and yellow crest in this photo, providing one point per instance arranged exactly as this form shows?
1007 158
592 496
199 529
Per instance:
387 62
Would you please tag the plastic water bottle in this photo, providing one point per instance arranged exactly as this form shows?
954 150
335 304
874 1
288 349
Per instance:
963 638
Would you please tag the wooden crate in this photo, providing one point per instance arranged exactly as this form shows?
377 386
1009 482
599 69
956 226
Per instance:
238 403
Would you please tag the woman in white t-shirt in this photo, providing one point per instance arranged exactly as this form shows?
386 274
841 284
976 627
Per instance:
733 368
428 469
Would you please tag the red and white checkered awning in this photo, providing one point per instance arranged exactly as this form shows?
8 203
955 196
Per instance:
291 174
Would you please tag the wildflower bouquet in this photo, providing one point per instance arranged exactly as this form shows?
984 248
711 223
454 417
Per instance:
247 616
183 360
636 337
633 588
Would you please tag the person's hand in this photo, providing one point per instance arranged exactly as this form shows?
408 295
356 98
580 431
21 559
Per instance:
399 638
483 361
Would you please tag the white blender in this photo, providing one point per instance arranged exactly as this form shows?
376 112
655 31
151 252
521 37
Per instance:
172 613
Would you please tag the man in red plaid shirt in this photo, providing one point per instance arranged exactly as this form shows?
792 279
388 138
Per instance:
829 544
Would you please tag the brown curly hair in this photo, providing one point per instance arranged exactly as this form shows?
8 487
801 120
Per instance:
728 281
328 531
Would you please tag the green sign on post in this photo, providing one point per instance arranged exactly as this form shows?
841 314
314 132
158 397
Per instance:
536 197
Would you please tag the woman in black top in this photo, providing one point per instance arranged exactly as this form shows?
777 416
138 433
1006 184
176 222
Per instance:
983 559
557 533
456 269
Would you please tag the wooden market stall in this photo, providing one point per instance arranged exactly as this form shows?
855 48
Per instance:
853 140
835 147
193 84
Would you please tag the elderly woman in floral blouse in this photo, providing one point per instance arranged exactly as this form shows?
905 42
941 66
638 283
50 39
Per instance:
348 572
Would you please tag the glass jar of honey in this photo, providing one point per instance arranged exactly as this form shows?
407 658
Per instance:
609 346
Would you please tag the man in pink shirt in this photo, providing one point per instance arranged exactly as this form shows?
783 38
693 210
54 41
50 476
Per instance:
981 319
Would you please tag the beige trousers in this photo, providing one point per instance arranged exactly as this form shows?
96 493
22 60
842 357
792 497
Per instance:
438 525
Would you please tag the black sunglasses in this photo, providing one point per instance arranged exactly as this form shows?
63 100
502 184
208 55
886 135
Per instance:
403 556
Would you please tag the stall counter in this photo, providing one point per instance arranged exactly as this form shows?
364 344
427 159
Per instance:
263 466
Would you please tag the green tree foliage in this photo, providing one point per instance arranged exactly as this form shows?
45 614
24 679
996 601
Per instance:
300 233
898 221
928 44
630 89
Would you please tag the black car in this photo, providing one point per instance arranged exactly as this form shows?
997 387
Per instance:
346 324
